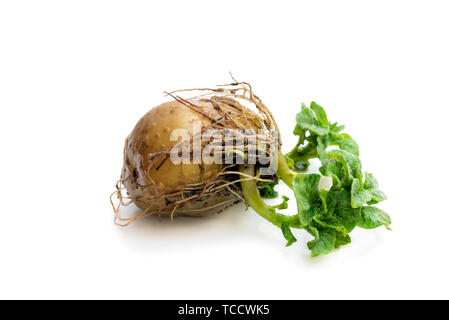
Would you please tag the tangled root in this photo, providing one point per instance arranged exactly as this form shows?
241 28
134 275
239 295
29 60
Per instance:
222 189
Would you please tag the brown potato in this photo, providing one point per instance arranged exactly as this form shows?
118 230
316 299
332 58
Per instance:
154 182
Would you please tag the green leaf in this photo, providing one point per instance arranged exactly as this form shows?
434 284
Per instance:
372 217
330 222
348 218
338 198
359 196
336 183
346 143
343 220
283 205
288 235
342 240
370 181
350 164
324 242
322 155
323 194
335 129
335 170
372 185
305 188
320 113
267 190
308 120
378 196
366 192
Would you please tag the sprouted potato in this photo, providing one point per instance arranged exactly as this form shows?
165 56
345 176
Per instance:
197 156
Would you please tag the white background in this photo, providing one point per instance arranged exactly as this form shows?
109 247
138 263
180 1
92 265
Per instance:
75 76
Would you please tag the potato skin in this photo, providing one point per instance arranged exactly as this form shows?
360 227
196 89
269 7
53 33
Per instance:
146 180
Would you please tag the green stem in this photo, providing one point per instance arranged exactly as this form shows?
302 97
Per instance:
284 171
294 152
301 156
253 199
306 153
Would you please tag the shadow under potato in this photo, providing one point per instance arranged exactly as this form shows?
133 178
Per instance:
232 225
